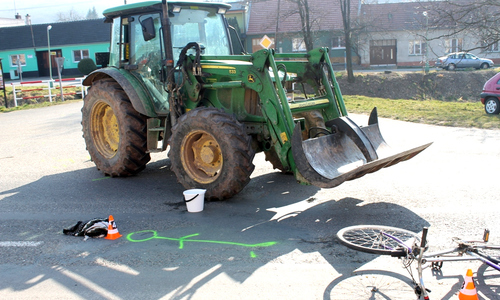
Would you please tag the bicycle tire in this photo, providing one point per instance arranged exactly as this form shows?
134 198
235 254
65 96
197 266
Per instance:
488 280
370 285
368 238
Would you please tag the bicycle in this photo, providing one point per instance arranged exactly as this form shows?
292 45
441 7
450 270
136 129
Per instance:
410 247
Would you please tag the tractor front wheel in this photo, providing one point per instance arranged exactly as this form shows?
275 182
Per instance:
114 132
210 149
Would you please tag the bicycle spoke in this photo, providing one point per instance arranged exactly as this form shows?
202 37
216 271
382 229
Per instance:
372 285
376 239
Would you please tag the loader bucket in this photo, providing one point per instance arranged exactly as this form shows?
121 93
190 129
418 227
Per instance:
348 153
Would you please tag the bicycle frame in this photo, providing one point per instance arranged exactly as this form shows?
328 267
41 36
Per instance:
457 254
469 249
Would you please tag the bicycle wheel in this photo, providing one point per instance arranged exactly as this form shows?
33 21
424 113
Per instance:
370 285
488 280
376 239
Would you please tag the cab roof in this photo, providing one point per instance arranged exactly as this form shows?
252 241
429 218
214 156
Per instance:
145 6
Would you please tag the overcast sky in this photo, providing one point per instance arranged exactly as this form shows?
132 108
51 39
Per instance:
45 11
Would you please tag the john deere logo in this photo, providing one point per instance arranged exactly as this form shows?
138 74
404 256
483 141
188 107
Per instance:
250 78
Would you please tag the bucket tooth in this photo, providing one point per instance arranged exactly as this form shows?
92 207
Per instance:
348 153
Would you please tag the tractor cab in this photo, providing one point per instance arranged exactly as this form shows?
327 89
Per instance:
138 42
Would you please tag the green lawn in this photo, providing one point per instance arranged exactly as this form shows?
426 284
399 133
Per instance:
445 113
458 114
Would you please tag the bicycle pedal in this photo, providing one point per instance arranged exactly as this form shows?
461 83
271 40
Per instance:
437 265
486 235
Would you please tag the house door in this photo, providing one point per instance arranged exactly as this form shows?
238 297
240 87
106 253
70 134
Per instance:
383 52
43 62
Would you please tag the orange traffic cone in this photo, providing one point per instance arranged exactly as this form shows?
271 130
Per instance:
113 233
468 290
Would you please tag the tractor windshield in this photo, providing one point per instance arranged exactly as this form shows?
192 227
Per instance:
136 42
202 25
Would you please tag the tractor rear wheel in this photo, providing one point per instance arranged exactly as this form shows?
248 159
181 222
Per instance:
210 149
114 132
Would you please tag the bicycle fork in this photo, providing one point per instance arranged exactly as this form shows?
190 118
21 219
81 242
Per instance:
420 289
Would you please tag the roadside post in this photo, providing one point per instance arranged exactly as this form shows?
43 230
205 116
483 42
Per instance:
19 67
2 84
60 64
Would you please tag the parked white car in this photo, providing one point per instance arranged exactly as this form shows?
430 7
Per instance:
463 60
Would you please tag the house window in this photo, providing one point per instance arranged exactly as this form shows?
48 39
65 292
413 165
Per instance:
338 42
78 55
16 59
298 45
491 47
453 45
416 47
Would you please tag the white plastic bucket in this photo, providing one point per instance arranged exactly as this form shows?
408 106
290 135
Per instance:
195 199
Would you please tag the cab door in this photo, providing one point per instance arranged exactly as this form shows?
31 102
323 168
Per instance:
146 53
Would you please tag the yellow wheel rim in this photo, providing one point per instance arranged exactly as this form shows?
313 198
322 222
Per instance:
105 130
201 156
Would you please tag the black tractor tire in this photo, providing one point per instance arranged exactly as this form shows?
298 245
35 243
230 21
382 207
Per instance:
114 132
273 158
209 149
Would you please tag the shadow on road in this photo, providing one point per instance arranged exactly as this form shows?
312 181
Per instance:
260 234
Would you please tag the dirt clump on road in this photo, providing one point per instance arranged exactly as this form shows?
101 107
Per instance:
439 85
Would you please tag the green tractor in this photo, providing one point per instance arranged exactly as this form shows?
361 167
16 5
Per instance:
173 81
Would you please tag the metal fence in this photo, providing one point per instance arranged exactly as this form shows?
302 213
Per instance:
47 89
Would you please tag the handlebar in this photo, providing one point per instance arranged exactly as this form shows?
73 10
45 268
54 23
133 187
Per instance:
423 242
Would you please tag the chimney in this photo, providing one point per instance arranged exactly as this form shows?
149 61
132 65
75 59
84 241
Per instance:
28 19
18 16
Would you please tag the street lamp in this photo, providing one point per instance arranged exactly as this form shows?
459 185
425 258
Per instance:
426 57
48 46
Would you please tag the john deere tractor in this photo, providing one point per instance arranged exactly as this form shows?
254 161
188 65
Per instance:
173 82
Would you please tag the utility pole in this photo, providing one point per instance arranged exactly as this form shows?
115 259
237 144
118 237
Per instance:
48 47
426 57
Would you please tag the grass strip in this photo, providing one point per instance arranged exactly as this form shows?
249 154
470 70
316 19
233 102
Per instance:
445 113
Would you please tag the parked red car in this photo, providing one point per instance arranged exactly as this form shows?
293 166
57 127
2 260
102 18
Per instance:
491 95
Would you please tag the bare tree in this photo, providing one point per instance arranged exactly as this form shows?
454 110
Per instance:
71 15
478 18
315 19
345 8
305 21
92 14
309 19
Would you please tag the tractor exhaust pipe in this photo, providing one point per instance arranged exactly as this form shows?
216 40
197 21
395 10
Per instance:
348 153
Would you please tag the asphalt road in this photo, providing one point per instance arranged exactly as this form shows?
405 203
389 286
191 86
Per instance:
274 240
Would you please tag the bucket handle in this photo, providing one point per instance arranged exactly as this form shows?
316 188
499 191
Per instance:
191 198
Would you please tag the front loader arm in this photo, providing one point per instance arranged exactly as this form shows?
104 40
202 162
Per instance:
334 149
346 151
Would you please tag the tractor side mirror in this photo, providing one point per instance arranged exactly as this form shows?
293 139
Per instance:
148 29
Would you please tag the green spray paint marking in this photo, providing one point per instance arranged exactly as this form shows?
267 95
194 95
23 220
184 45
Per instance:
186 238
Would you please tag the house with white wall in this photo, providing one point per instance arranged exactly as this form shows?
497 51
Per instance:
400 35
392 34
